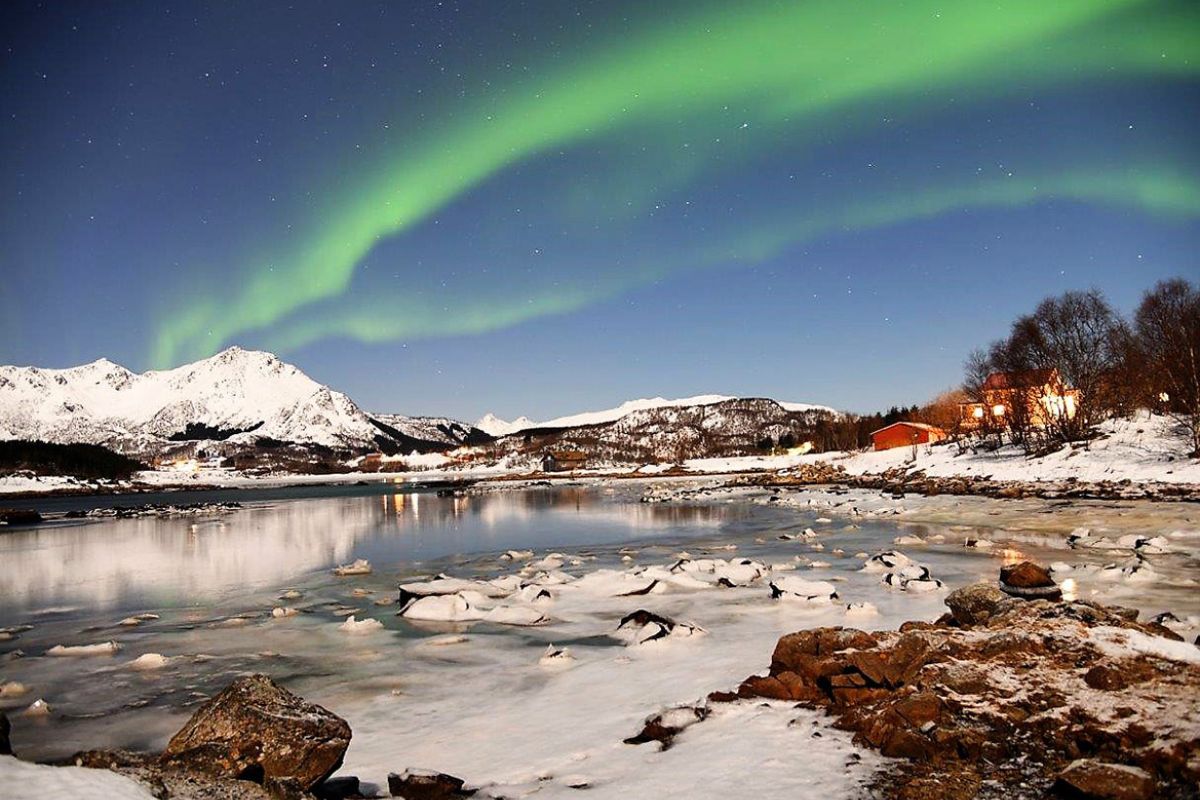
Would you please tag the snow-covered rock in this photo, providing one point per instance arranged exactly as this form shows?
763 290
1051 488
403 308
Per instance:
794 588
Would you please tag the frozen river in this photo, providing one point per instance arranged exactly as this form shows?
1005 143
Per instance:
471 698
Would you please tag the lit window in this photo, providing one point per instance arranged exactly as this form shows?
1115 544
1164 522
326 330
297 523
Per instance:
998 410
977 413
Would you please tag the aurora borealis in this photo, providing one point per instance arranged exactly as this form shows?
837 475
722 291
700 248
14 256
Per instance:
687 197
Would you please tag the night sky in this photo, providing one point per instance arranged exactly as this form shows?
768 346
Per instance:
543 207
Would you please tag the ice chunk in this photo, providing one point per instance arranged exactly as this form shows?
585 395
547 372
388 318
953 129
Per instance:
359 627
887 561
360 566
149 661
556 658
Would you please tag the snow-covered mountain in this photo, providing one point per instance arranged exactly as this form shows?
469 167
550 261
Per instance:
250 399
494 426
240 396
498 427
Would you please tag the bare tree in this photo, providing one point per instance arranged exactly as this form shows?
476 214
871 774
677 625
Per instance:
1167 323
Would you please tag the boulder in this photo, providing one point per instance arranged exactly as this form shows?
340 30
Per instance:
413 784
1028 580
339 789
795 652
257 730
975 604
1089 779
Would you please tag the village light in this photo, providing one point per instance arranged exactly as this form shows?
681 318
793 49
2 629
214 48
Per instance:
977 413
998 410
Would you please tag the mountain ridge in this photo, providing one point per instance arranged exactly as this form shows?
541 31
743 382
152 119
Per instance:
247 400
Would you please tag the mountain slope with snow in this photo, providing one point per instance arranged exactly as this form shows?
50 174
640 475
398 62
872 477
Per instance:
498 427
237 395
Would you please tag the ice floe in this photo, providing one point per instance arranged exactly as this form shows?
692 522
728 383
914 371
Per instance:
359 566
84 650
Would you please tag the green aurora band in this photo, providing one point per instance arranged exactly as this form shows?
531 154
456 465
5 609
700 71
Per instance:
785 63
1159 190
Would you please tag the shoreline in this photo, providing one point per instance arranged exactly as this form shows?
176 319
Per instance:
820 475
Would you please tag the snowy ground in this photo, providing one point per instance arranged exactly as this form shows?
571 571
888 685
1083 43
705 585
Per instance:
1144 449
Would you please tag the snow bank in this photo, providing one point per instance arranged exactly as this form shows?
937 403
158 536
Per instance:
75 783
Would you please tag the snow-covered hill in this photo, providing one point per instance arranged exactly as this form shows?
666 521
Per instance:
705 426
430 433
498 427
237 395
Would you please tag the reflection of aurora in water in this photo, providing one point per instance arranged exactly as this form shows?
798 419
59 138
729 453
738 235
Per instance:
137 562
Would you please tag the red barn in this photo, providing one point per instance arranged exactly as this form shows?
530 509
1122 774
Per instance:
906 434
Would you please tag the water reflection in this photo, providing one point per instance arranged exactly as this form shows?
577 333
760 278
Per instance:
172 562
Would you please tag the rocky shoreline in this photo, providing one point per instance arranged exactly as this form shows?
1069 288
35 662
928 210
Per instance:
901 481
1003 697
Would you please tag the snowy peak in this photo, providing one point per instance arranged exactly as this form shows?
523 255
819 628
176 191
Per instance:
228 395
494 426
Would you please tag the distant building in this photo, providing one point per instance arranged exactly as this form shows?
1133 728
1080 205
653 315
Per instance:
1040 396
906 434
563 460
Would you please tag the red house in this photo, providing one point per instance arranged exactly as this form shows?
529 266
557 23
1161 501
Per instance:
906 434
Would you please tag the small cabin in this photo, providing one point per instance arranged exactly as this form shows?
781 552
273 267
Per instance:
906 434
563 460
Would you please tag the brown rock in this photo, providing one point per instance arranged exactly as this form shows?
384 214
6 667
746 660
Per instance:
257 730
974 604
422 785
795 649
1109 677
784 686
1098 780
1028 580
919 709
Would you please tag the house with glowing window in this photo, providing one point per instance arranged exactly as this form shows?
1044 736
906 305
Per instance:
1038 396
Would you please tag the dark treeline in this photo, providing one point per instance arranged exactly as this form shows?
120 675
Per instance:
853 431
90 461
